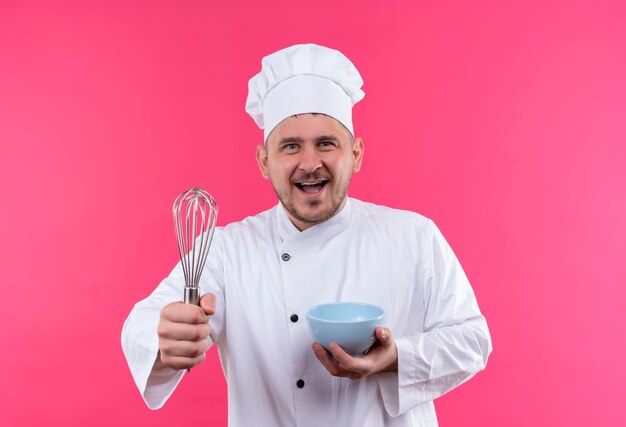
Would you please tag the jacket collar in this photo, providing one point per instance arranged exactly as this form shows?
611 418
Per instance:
332 226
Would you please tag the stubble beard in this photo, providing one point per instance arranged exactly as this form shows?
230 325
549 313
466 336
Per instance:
324 216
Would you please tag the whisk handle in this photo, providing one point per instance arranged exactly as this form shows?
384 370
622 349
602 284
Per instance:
192 295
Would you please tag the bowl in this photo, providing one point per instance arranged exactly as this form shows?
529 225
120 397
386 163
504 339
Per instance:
352 325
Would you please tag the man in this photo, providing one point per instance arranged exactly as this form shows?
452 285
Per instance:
316 246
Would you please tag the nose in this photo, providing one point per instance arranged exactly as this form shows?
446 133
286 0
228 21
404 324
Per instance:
309 160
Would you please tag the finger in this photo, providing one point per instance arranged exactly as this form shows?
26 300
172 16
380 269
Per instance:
384 336
178 363
184 313
345 361
189 349
325 359
208 302
183 331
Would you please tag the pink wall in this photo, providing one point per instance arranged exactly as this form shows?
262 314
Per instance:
505 122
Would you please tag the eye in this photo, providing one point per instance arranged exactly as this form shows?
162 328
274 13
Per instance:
290 147
327 144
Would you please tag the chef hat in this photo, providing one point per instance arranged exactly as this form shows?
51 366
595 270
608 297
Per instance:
304 78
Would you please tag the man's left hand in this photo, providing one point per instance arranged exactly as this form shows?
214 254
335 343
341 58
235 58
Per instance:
382 357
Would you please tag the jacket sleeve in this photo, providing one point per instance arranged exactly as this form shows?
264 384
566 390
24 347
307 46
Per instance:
455 341
140 342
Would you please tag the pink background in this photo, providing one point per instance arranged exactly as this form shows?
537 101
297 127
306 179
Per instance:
505 122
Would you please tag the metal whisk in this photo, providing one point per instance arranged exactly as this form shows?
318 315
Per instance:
195 214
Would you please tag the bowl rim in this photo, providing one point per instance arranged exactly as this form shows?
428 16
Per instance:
368 319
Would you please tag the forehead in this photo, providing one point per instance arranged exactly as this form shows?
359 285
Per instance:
308 126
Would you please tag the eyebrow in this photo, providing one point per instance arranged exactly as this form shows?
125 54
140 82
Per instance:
292 139
327 138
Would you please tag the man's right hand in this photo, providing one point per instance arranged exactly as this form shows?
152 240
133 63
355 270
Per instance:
184 333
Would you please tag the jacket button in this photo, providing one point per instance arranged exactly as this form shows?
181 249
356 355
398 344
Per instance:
300 384
294 318
285 257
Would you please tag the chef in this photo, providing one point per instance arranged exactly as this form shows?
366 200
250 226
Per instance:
317 245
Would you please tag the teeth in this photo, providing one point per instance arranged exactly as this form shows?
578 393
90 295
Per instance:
311 187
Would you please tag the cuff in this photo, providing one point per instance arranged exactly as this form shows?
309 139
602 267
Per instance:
155 385
160 385
396 398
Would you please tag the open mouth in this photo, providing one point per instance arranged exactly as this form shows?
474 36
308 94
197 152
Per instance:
311 187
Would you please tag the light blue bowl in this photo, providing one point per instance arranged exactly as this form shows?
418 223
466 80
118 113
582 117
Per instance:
352 325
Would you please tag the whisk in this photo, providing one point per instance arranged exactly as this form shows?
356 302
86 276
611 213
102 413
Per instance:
195 214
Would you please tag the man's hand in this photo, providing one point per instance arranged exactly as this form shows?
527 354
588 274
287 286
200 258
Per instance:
382 357
184 333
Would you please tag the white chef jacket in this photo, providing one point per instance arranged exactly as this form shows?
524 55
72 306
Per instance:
263 270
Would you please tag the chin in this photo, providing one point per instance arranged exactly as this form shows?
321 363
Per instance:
309 212
316 216
311 218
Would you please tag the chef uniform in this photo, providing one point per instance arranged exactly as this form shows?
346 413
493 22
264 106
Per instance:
266 273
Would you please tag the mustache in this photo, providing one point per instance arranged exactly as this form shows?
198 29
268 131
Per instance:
313 176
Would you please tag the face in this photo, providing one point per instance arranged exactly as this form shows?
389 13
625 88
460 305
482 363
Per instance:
310 159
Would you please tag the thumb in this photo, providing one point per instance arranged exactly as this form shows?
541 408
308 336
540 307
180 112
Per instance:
207 303
384 335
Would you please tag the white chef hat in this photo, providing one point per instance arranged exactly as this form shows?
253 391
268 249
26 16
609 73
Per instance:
304 78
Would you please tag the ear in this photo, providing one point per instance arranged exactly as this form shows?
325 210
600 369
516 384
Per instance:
357 152
261 159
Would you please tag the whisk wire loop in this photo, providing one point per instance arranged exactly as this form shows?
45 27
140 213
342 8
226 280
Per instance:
195 216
